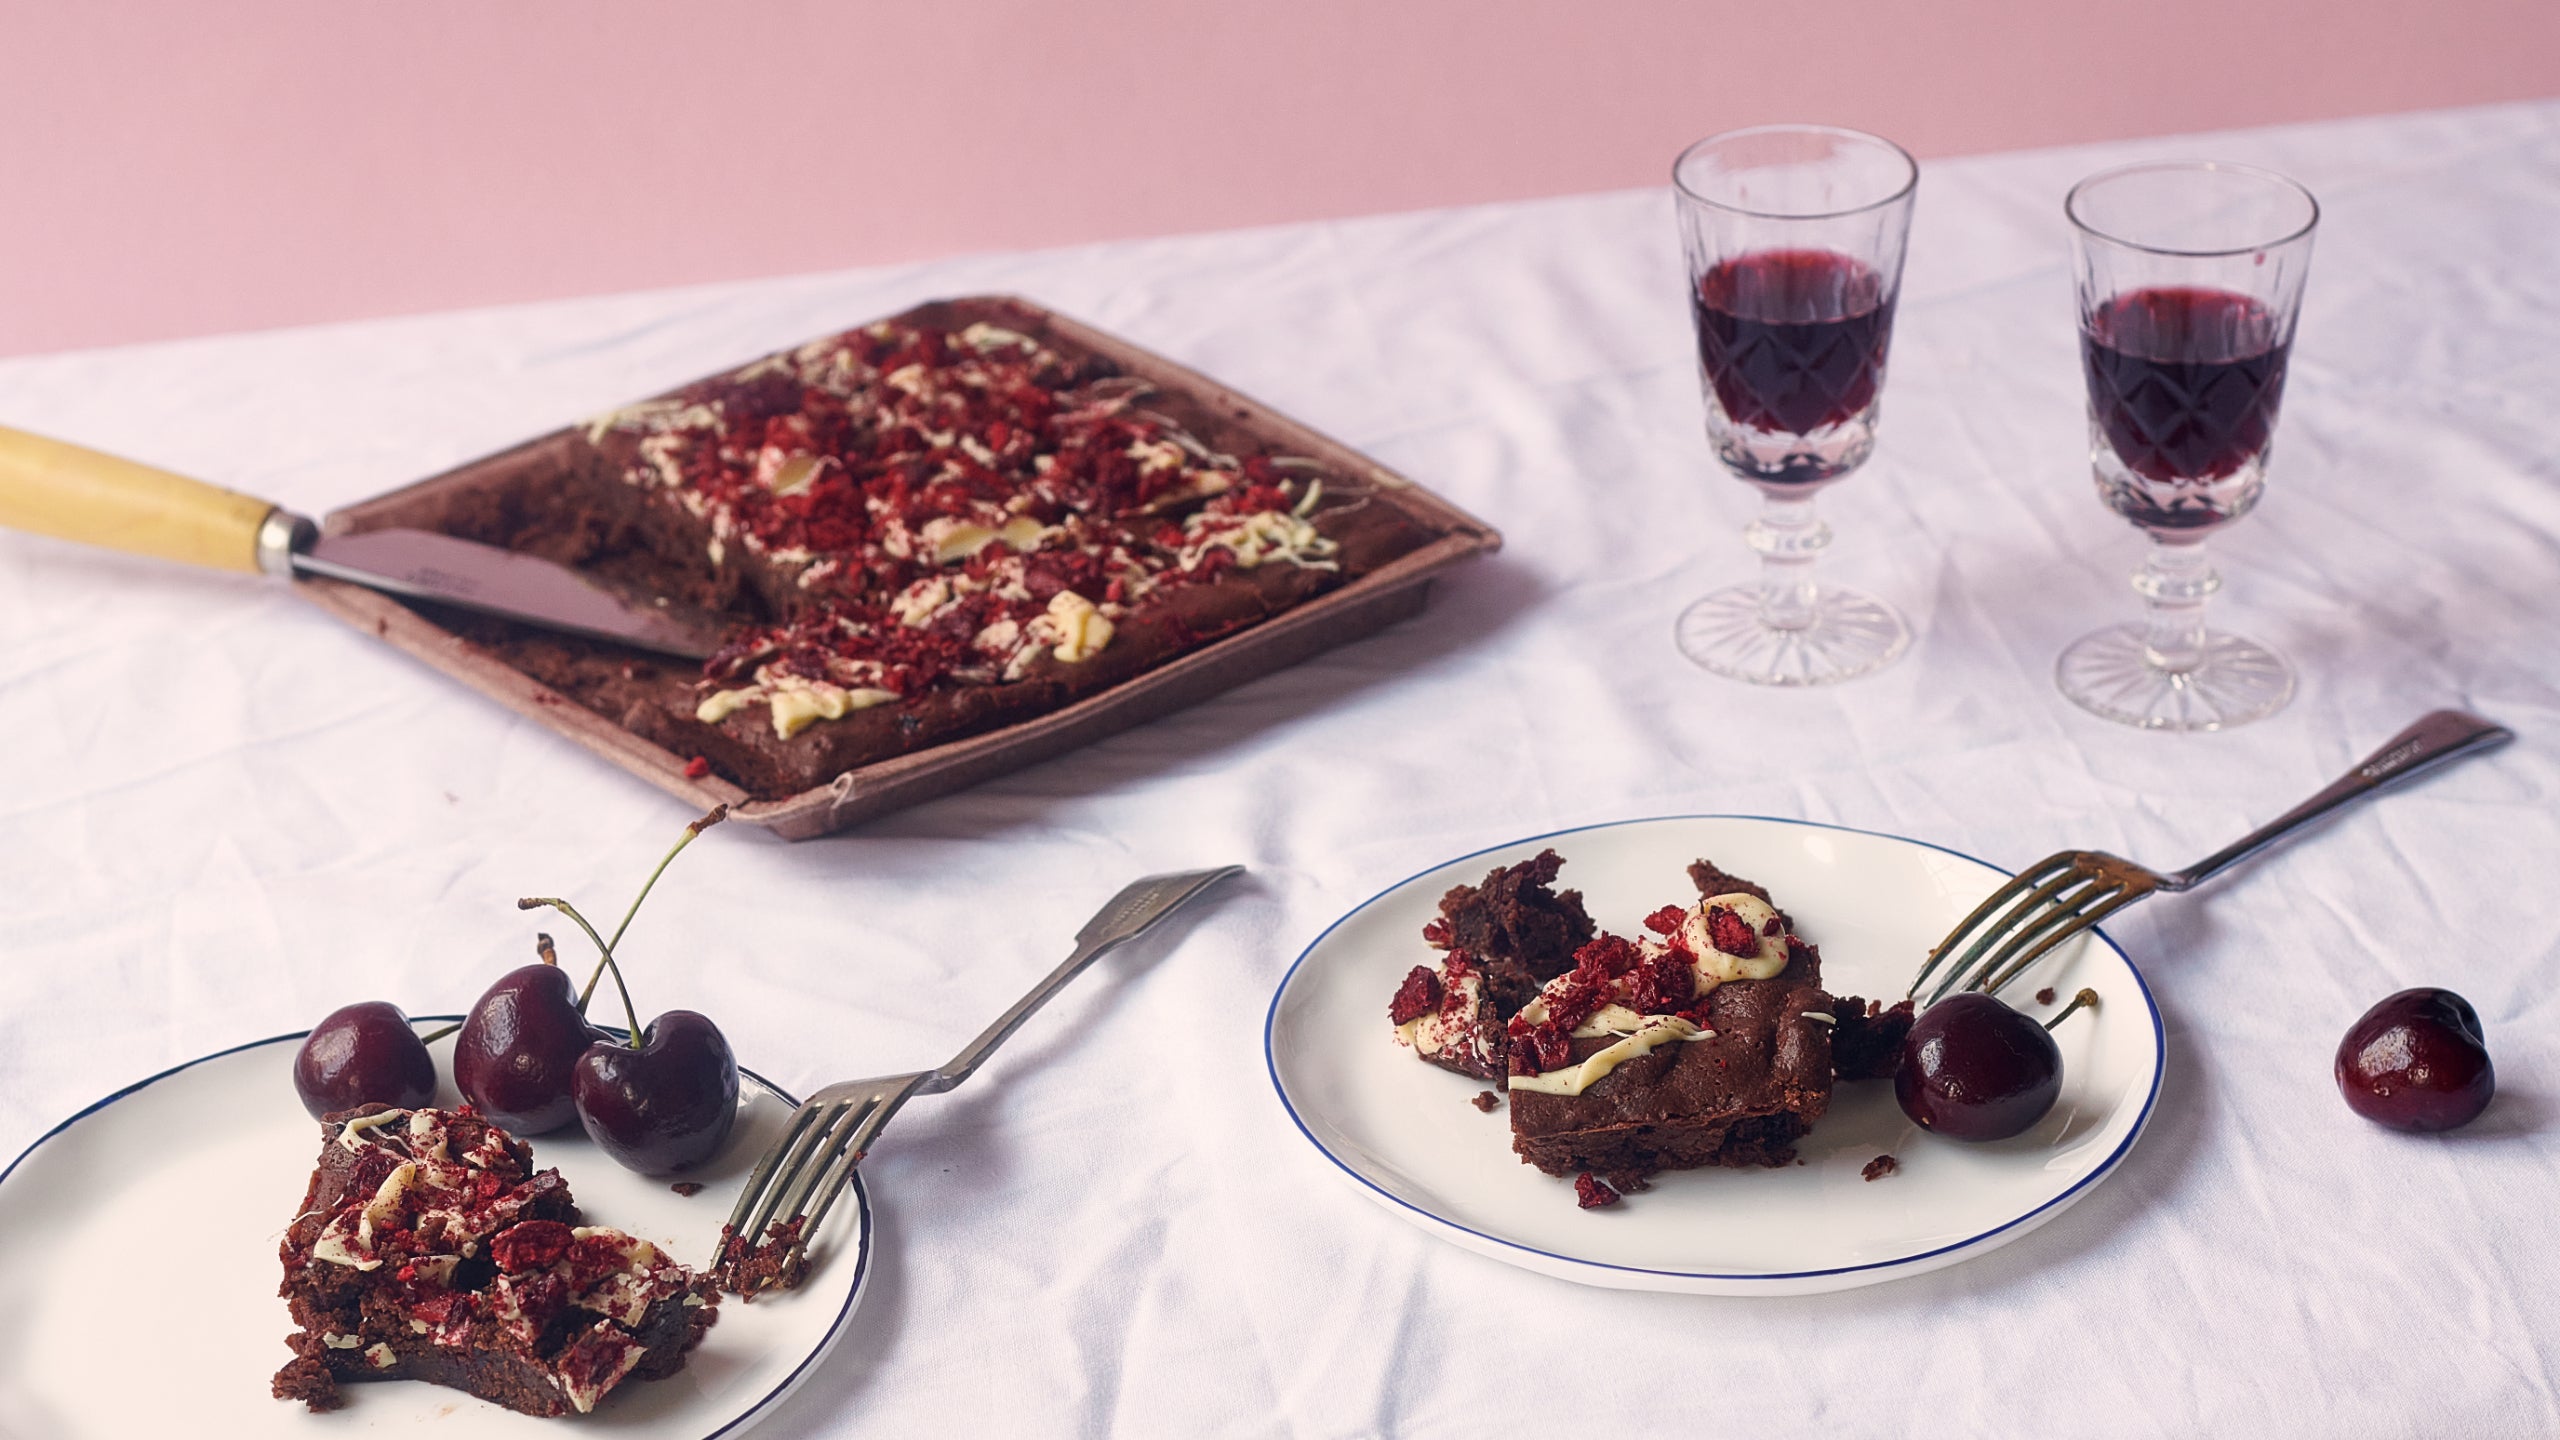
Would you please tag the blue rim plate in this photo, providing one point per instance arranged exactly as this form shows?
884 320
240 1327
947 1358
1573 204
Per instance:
204 1161
1406 1136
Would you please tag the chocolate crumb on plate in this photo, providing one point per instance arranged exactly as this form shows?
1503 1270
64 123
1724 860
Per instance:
1485 1101
1880 1167
2045 996
687 1188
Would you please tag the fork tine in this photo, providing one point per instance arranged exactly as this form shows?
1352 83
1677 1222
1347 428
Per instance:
2023 920
2006 903
2116 900
832 1186
767 1163
824 1158
794 1165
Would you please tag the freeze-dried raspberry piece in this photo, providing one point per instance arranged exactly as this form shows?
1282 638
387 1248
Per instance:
530 1245
1591 1193
1537 1049
1666 920
1662 985
1731 933
1418 996
1605 959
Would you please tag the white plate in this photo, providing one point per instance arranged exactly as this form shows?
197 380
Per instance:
138 1254
1405 1133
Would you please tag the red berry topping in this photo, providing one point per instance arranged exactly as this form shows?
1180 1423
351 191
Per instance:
1572 999
530 1245
1418 996
1536 1049
1662 985
1591 1193
1731 933
1666 920
1605 959
1436 932
696 768
1777 926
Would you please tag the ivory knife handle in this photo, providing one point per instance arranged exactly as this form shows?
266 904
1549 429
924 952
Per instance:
69 491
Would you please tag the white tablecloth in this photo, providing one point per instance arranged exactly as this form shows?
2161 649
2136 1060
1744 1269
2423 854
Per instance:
226 814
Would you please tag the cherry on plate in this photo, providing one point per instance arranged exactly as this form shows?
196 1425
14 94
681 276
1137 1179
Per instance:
1974 1069
2417 1061
363 1054
518 1046
664 1105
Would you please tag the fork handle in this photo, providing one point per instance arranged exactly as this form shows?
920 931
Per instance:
2436 739
965 1064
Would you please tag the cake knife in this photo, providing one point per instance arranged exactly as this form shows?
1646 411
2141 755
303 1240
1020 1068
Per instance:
52 487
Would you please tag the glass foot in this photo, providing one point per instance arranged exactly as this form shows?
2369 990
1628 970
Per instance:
2110 673
1851 634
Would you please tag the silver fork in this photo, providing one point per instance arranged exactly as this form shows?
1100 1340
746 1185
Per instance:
800 1176
2067 892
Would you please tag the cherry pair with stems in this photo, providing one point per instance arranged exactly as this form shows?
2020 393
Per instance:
658 1099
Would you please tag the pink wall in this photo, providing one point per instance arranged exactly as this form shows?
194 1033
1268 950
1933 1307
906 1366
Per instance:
181 168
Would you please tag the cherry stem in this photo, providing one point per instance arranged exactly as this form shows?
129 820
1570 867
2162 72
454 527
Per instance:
628 1014
439 1033
2085 997
691 829
535 902
542 948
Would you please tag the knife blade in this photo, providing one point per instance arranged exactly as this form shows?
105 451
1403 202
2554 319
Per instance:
52 487
445 570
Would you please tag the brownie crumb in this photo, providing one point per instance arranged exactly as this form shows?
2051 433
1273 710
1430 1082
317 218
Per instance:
2045 996
1866 1042
307 1379
1485 1101
1591 1194
747 1271
1880 1167
687 1188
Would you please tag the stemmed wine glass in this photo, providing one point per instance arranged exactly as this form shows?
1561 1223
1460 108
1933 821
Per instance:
1794 236
2190 278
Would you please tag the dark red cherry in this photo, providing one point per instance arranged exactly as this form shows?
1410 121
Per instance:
518 1046
665 1105
2417 1061
1974 1069
363 1054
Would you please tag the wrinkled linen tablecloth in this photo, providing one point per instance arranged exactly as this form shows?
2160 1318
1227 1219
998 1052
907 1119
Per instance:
226 814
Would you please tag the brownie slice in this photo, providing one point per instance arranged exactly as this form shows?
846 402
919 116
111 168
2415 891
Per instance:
428 1248
1740 1096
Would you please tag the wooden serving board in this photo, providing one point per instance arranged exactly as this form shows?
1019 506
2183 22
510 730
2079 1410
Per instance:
1393 592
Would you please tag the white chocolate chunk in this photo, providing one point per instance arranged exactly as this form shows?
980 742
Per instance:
723 704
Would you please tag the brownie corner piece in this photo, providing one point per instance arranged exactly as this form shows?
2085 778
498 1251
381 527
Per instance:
1516 916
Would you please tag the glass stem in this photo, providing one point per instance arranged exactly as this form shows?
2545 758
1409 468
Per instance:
2174 583
1789 540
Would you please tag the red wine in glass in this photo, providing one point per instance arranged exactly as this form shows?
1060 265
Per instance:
2183 387
1793 343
